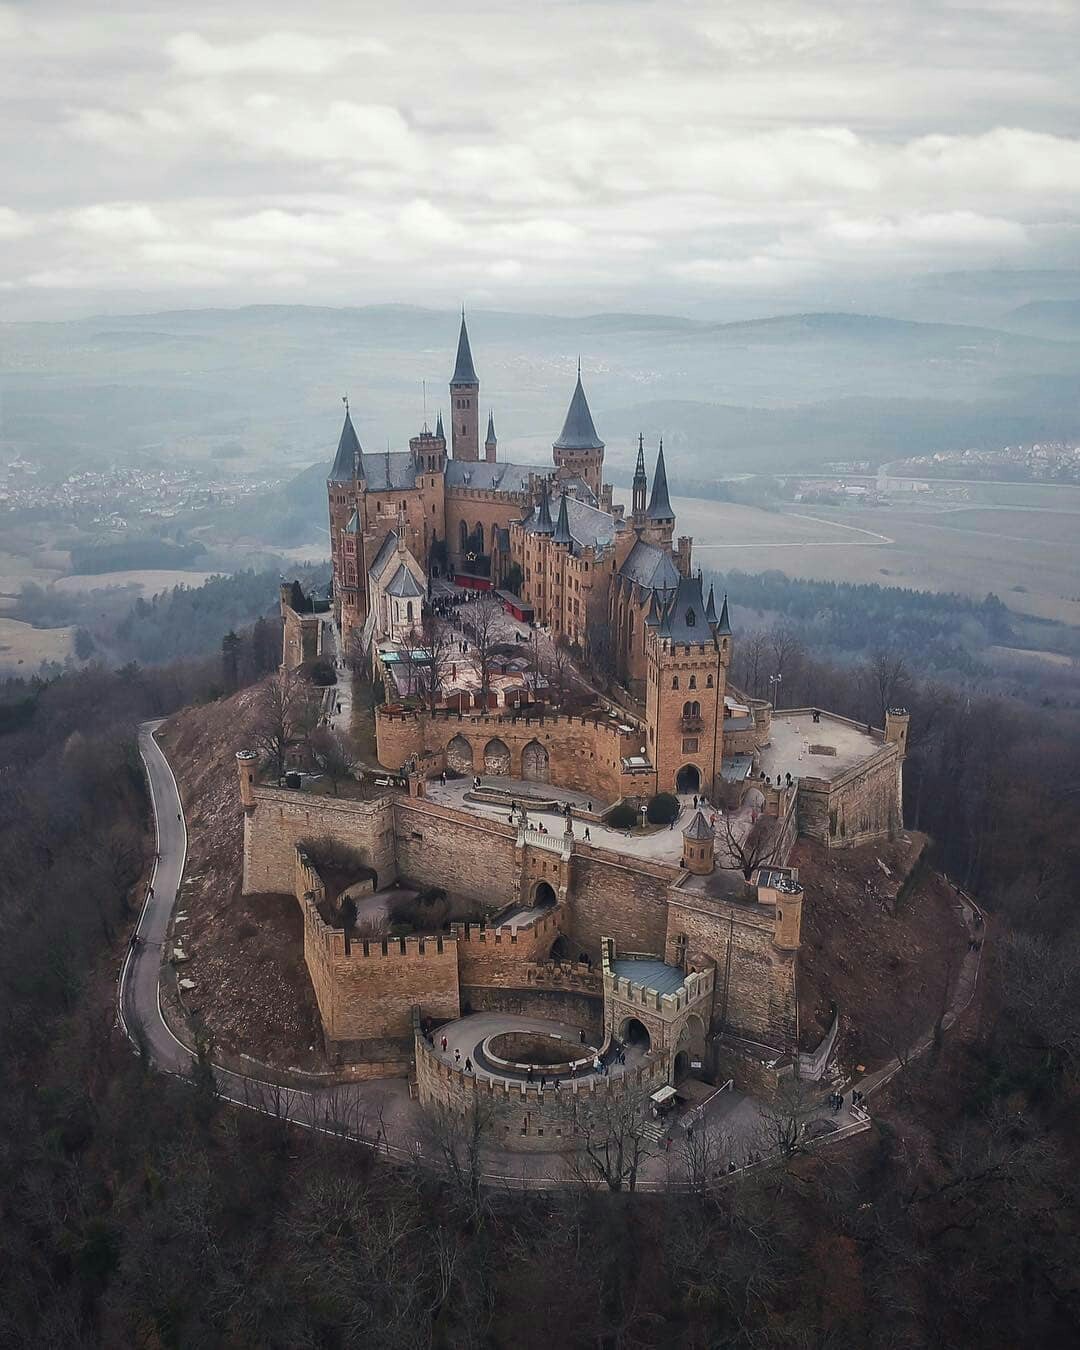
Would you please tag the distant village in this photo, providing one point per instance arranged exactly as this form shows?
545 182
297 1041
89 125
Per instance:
120 497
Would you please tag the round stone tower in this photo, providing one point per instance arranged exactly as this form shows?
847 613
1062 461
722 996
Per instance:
698 846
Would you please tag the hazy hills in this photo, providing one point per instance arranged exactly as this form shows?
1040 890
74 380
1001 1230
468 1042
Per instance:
778 392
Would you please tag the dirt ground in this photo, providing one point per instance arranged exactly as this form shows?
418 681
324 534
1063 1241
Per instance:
245 953
887 966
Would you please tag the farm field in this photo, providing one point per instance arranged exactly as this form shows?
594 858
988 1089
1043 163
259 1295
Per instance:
1027 554
23 645
148 582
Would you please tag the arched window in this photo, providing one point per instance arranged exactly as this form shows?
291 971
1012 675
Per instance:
408 612
709 683
674 681
691 618
693 681
686 709
463 533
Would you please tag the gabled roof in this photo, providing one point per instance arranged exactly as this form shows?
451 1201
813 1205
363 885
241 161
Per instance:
348 459
463 368
660 502
650 567
699 828
390 472
386 548
684 618
562 533
404 586
578 432
498 476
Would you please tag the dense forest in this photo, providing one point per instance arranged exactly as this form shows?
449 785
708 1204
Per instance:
137 1210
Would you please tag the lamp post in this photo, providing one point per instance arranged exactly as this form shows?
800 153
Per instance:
644 814
774 689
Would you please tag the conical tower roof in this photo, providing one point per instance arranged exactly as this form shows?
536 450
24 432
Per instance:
491 427
724 626
464 373
710 608
660 502
347 461
543 523
653 616
578 431
562 533
438 426
639 468
699 828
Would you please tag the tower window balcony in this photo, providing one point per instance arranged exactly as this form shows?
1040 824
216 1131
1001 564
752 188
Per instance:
691 723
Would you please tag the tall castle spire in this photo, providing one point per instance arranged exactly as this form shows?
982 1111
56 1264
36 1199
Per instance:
660 502
464 401
641 483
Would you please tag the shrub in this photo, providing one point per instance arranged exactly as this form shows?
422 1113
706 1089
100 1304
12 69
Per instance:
663 808
622 816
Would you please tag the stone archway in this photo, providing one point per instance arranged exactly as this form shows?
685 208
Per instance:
544 895
497 758
635 1033
459 755
690 1047
535 764
688 779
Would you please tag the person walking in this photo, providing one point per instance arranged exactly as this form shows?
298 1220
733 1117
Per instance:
457 1056
468 1064
587 834
444 1045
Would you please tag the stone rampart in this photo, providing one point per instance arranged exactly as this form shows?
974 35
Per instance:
858 807
492 956
280 817
523 1116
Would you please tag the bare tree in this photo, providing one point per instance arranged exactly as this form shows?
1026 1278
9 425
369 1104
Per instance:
559 671
888 675
615 1141
756 848
334 755
286 712
484 624
426 655
783 1118
455 1141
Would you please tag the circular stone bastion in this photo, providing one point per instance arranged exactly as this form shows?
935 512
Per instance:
547 1051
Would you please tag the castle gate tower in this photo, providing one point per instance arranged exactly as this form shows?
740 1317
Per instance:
464 402
579 451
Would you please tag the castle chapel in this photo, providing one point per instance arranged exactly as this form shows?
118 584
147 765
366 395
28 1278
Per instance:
597 578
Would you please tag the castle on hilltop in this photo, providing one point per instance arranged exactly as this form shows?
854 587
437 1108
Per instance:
546 815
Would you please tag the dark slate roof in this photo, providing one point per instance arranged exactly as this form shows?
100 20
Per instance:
724 626
463 369
578 488
490 437
562 533
660 502
404 585
710 608
588 526
540 520
386 548
699 828
438 425
497 477
578 432
390 472
349 455
653 616
650 567
684 618
649 972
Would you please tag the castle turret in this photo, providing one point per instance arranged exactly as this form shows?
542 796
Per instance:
579 451
659 514
342 490
491 445
896 728
698 846
246 762
464 402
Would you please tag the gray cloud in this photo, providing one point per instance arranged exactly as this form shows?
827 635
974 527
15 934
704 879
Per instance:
588 154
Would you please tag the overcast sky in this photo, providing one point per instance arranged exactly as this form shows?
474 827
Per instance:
531 153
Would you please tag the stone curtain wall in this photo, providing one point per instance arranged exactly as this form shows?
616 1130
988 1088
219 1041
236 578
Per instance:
281 817
620 899
499 956
859 807
755 983
437 846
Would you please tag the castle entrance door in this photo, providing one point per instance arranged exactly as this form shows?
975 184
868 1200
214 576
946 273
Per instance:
545 896
688 779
